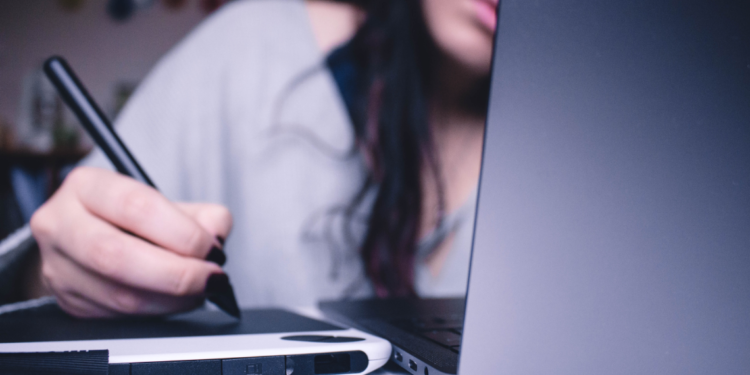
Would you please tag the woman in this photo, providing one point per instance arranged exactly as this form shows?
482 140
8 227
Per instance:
345 139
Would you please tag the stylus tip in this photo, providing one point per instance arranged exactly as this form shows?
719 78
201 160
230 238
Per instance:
220 292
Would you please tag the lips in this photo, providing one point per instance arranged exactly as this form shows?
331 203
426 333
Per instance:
486 13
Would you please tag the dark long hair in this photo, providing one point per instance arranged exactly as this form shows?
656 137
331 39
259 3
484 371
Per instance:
391 58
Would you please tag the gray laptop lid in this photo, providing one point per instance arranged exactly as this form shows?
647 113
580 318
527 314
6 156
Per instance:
613 228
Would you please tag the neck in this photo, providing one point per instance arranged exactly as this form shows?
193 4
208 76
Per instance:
458 93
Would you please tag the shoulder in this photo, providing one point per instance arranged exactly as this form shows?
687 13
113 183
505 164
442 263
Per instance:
283 23
256 15
242 25
243 39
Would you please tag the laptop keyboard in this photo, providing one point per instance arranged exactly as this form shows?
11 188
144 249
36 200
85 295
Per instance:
445 331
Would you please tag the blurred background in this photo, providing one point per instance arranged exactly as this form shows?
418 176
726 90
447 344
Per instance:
112 45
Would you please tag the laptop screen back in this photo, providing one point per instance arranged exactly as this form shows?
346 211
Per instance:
613 226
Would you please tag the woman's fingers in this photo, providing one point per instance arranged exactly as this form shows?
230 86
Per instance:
214 218
86 294
81 308
101 248
132 261
111 246
141 210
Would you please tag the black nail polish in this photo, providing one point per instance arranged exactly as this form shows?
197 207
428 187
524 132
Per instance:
220 239
217 256
220 292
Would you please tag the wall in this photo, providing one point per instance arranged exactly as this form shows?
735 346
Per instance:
101 50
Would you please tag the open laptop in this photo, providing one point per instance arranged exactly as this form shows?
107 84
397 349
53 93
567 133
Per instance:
613 228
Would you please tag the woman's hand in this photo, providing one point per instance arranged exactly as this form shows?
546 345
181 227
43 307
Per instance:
111 246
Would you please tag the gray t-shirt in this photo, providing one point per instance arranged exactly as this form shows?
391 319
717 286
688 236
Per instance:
244 113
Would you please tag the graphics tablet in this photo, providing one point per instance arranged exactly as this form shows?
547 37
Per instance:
267 342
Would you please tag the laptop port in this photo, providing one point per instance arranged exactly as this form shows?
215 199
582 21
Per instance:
426 371
413 365
398 357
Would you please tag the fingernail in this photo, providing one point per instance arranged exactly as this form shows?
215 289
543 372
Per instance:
220 239
217 256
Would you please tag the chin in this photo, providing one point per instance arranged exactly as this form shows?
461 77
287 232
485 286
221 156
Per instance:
473 55
460 34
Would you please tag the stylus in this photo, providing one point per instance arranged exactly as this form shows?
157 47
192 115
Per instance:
73 93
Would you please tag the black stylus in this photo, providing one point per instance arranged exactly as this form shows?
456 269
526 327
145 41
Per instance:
218 289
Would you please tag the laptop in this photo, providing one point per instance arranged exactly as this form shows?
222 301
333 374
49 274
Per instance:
613 225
